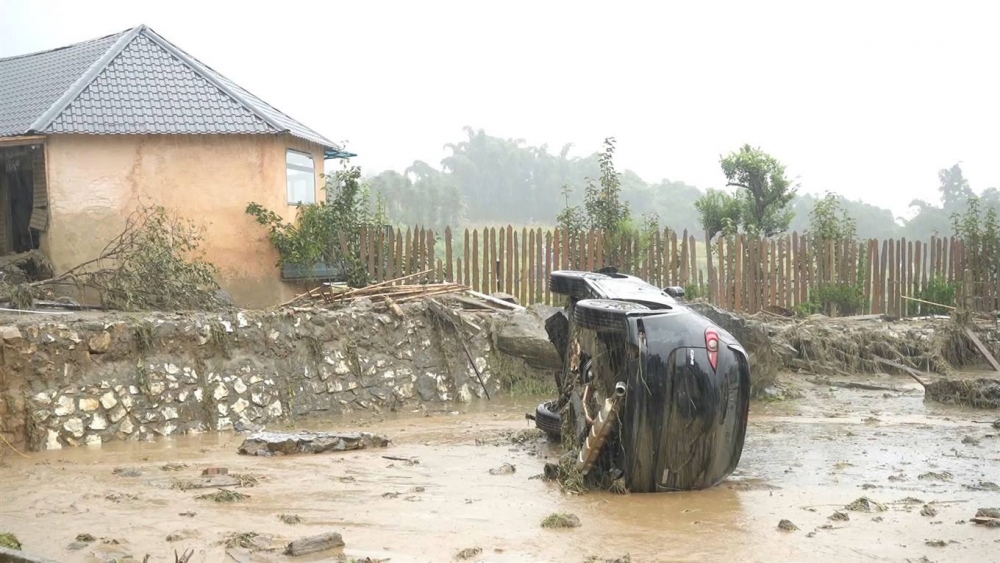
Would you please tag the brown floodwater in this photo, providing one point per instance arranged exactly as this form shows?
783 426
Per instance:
803 459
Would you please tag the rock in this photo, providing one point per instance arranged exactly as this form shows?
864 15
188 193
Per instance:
314 544
42 399
469 552
240 405
126 426
284 443
64 405
88 404
928 511
522 334
215 471
108 400
74 426
52 440
98 422
274 409
156 388
93 440
787 526
239 386
505 469
220 392
169 413
10 334
117 413
99 343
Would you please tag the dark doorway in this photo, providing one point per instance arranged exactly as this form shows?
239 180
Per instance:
17 201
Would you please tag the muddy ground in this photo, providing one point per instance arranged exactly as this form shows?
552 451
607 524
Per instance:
929 466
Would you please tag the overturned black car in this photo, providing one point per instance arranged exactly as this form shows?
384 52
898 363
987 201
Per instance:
650 390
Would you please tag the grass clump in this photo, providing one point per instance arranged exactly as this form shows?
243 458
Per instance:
223 495
561 520
9 541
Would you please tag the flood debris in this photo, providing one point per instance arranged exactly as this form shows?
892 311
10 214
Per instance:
561 520
214 481
208 471
224 495
405 460
982 393
290 518
865 504
928 511
595 559
505 469
246 540
468 553
9 541
935 543
839 516
984 486
173 466
127 471
934 476
787 526
989 517
314 544
970 441
287 443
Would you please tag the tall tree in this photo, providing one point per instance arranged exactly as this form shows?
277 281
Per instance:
767 193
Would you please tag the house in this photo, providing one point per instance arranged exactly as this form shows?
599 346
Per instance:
90 130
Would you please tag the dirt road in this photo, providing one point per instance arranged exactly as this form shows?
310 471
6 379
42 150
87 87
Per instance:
929 466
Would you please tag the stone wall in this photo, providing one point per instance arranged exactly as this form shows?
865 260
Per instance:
68 381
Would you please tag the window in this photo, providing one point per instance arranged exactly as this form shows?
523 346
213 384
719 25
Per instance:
300 178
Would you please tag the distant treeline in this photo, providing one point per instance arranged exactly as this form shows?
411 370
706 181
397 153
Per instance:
488 179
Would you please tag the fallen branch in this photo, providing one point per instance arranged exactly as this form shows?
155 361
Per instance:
494 300
908 370
928 302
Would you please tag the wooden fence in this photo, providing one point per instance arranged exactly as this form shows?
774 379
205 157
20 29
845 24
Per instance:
740 274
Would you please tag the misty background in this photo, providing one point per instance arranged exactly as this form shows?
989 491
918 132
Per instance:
468 113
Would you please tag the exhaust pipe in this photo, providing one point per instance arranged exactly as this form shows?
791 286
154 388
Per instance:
599 430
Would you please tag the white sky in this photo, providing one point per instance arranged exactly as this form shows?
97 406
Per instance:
864 98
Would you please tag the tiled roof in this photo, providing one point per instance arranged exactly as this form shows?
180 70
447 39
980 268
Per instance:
134 82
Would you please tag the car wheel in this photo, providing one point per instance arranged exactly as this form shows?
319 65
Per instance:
572 283
605 314
547 419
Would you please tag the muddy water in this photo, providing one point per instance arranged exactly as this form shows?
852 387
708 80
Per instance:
803 459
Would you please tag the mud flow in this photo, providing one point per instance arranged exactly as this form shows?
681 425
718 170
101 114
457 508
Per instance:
469 483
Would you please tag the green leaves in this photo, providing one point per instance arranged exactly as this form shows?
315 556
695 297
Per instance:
766 194
828 220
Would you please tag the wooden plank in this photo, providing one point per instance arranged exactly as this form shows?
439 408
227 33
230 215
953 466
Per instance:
466 279
494 274
500 261
547 272
485 286
540 278
314 544
440 270
591 241
599 251
475 261
556 249
694 257
917 288
772 268
531 268
738 286
508 260
884 278
684 265
516 265
866 286
458 272
789 289
722 281
982 349
393 263
430 249
408 258
449 266
398 264
523 296
910 273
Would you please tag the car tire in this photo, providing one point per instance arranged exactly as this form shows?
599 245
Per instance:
572 283
547 419
605 314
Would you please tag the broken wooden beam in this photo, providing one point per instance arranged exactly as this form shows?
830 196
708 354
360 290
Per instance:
982 349
287 443
906 369
314 544
503 304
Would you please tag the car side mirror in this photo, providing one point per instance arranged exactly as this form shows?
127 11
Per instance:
674 291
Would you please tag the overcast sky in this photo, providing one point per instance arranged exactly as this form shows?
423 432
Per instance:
867 99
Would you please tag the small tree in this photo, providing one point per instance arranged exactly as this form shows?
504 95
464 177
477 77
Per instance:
767 193
719 212
980 234
326 229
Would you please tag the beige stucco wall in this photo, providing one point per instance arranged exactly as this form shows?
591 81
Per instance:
96 181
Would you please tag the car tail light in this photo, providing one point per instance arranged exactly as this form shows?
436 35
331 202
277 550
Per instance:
712 343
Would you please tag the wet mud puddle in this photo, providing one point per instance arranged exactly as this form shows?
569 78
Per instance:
923 470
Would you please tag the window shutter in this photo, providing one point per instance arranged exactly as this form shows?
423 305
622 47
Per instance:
40 201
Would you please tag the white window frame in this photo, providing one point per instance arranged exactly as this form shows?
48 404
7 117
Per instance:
299 168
